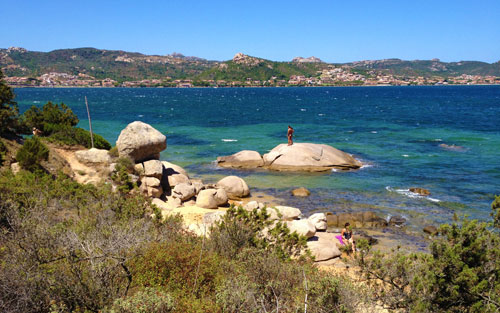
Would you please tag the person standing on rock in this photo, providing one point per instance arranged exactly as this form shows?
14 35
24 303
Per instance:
289 134
346 234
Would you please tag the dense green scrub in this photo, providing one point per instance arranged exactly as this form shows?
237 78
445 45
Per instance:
67 247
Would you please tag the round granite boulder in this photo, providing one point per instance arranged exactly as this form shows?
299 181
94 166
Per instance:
242 159
234 186
140 141
308 157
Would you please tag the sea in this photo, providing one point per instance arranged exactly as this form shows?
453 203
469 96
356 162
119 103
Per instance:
442 138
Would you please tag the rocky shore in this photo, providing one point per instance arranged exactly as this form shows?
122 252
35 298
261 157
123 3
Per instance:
174 191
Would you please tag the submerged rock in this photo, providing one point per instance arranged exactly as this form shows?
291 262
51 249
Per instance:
358 219
140 141
420 191
301 192
431 230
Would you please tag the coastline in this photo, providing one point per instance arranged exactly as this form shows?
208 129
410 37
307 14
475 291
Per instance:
245 87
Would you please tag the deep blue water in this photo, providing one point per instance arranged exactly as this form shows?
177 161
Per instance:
395 130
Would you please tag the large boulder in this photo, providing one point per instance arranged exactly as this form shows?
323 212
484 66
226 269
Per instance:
151 186
183 191
302 227
152 168
323 246
93 156
173 175
242 159
140 141
287 213
234 186
211 198
319 221
308 157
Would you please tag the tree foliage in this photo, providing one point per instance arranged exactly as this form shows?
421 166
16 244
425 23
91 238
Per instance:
461 273
9 112
50 118
57 122
32 153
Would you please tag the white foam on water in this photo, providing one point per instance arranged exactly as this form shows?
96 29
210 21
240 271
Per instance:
438 139
373 132
36 101
303 110
229 140
366 166
321 114
140 115
409 194
405 155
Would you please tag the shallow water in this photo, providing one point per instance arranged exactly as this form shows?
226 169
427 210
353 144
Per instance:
396 131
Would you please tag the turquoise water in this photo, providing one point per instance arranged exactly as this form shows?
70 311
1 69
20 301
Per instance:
395 130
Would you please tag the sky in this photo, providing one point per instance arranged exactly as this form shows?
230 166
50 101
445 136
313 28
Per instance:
336 31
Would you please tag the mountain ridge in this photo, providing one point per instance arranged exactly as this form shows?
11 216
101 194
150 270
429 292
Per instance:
121 66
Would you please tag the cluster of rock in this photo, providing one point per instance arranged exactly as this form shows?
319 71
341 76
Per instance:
169 184
323 245
307 157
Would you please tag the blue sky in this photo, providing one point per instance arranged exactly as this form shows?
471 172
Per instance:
335 31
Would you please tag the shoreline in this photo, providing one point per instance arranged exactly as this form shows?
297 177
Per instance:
244 87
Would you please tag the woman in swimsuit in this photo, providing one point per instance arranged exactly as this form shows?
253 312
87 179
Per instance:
347 237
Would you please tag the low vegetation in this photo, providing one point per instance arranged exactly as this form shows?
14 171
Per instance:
460 274
57 122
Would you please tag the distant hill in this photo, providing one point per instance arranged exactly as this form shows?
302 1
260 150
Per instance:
427 68
243 67
132 66
118 65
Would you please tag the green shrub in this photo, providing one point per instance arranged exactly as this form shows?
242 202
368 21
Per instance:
3 151
78 136
51 118
121 175
113 152
461 273
146 300
495 208
32 153
9 112
182 267
239 229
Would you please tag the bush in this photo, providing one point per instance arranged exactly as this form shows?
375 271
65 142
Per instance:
495 208
9 112
57 122
32 153
121 176
144 301
78 136
66 246
3 151
113 152
51 118
239 229
461 274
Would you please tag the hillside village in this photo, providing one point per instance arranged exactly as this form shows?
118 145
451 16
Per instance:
186 72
